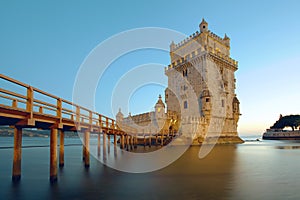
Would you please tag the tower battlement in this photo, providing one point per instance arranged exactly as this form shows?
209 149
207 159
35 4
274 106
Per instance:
198 42
194 36
198 52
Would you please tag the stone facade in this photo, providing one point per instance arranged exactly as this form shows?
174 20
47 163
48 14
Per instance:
201 100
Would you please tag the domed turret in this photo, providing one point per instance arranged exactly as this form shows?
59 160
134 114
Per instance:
119 117
206 103
236 108
172 46
203 26
236 105
159 108
159 102
226 40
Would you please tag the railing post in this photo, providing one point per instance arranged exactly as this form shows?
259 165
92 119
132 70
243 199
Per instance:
29 105
90 117
59 112
106 121
29 102
77 114
100 121
113 126
15 103
40 109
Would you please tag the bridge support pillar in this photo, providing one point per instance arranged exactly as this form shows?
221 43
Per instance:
127 142
53 155
135 142
108 143
122 141
131 142
115 140
16 174
61 148
87 149
99 136
104 147
104 139
83 147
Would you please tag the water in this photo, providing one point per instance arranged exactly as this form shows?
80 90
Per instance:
253 170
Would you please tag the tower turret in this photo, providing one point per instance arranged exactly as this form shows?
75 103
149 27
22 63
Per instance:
236 108
119 116
226 40
159 108
206 103
203 26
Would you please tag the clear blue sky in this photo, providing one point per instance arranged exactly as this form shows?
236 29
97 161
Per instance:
43 43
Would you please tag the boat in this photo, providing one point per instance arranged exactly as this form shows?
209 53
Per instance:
280 134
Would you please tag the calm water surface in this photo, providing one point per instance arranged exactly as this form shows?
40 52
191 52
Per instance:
253 170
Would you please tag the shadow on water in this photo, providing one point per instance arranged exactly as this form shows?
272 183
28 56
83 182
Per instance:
187 178
246 171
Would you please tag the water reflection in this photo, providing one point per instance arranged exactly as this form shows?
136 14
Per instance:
187 178
287 147
247 171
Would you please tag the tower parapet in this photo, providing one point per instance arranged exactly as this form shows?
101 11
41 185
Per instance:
205 40
216 54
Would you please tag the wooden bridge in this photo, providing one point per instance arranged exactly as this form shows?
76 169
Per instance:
41 110
23 106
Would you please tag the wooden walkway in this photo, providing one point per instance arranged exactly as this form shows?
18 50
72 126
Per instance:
31 107
24 106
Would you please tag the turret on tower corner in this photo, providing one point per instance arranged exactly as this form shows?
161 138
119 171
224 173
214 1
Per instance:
203 26
226 40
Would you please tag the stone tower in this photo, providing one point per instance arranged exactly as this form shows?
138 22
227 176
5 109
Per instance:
201 87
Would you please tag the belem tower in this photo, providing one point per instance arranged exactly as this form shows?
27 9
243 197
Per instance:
200 100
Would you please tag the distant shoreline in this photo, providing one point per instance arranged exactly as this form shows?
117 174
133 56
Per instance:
9 132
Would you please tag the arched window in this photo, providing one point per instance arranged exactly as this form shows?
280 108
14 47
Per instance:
185 73
185 104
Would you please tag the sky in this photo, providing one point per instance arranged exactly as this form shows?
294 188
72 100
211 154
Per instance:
44 43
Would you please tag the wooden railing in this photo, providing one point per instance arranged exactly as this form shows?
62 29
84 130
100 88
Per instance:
61 109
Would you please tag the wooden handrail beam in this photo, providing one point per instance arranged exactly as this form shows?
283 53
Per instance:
12 93
13 81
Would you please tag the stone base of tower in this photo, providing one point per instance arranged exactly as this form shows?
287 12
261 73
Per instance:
218 140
